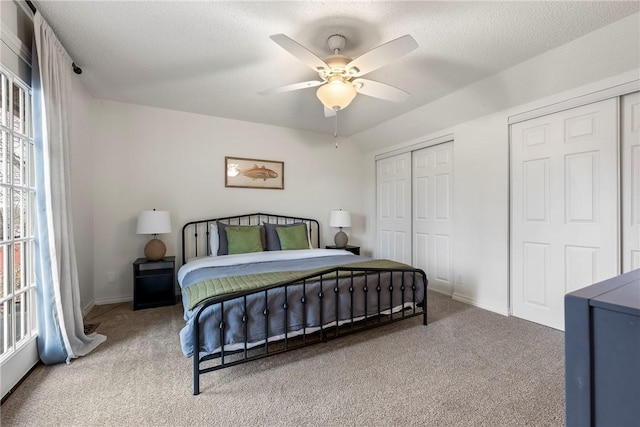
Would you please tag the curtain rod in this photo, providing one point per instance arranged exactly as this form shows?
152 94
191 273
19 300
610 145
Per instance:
76 69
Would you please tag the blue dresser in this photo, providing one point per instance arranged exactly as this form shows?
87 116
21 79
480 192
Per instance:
602 353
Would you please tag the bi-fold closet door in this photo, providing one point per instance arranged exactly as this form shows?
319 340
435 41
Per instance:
630 135
414 211
393 210
572 184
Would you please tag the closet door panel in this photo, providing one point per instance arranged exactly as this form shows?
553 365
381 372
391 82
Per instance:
564 208
394 208
630 182
432 219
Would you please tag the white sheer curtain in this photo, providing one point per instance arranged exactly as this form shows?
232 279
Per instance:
61 334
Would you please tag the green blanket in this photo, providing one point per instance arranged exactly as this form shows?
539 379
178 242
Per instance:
211 288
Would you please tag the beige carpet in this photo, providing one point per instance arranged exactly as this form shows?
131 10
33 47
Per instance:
469 367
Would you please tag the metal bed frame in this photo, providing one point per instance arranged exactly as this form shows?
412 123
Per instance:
373 316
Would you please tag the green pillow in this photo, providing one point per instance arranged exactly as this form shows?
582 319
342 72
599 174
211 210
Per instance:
242 240
293 237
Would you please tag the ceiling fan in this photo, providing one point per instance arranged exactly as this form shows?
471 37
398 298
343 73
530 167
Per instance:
340 76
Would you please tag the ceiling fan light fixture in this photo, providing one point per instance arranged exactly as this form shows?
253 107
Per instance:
336 94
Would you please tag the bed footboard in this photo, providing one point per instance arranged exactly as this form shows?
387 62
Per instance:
305 311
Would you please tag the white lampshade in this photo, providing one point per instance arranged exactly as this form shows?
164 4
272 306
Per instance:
154 222
337 93
340 218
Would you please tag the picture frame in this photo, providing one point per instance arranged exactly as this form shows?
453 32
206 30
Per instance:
240 172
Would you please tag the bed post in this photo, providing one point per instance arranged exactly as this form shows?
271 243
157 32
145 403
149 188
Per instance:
196 355
424 301
196 375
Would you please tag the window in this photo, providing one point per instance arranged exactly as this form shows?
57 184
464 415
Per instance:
17 215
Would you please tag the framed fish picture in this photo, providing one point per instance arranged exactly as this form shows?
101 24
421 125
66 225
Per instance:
253 173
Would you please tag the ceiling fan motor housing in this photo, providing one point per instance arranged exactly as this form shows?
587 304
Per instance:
337 63
336 42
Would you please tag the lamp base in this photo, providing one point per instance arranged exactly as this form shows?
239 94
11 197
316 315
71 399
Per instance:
341 239
155 250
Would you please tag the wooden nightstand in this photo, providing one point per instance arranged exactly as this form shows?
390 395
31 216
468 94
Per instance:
153 283
353 249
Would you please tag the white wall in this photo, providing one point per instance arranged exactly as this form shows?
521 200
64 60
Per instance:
147 158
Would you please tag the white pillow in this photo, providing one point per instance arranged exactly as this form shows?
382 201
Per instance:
214 239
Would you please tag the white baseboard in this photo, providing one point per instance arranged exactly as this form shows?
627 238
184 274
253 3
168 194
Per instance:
121 299
441 291
87 308
116 300
467 300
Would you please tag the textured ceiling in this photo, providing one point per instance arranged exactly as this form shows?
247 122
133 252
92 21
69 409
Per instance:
213 58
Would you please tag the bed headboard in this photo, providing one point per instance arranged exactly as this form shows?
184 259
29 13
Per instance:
195 234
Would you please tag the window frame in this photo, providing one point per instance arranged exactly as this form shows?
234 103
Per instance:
17 237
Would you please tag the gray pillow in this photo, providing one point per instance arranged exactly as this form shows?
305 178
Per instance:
223 248
273 241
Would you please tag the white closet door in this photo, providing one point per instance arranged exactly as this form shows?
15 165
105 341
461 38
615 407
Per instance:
564 216
432 216
631 182
394 208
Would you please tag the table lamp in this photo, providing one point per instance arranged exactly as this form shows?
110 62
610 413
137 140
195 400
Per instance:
339 218
154 222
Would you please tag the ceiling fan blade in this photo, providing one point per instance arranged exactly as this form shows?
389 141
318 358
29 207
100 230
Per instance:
380 90
329 112
382 55
300 52
295 86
